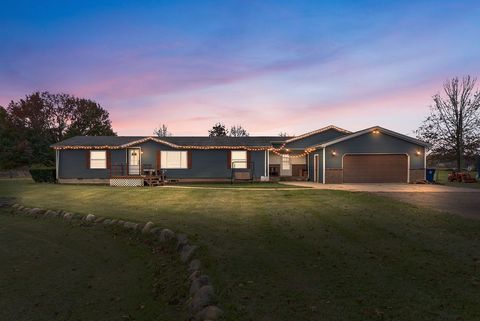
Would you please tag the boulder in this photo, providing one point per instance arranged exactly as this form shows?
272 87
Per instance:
195 265
195 274
120 222
187 252
90 218
107 221
210 312
205 296
99 219
182 240
68 216
155 231
148 226
36 211
113 222
197 283
50 213
130 226
166 235
15 205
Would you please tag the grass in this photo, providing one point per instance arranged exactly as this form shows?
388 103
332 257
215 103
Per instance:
441 177
259 185
304 254
52 270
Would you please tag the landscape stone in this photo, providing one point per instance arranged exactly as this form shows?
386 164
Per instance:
197 283
205 296
187 252
112 222
100 219
68 216
195 274
166 235
121 222
210 312
107 221
90 218
194 265
182 240
147 227
130 226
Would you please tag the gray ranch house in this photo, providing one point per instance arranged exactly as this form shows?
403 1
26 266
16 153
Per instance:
326 155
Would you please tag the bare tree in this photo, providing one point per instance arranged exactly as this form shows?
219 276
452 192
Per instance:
238 131
162 131
453 126
283 134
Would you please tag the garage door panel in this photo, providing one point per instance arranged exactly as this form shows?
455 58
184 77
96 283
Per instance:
375 168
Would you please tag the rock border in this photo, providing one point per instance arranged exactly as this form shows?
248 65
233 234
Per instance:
202 303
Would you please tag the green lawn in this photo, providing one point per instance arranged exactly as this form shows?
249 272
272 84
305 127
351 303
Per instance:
304 254
441 176
242 185
53 270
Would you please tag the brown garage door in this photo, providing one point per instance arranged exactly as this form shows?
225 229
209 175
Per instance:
370 168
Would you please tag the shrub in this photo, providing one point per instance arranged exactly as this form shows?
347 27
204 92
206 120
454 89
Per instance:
43 174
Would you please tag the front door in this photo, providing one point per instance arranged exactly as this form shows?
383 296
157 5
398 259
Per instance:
134 161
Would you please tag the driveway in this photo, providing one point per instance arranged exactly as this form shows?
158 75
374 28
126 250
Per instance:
463 201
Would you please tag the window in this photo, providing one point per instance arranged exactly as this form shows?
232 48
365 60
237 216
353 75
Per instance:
98 159
174 159
239 159
286 162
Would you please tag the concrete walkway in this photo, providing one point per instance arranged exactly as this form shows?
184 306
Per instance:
387 188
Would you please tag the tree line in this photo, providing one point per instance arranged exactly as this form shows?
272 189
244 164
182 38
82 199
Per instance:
29 126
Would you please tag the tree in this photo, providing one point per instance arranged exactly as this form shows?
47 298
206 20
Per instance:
89 118
34 123
283 134
238 131
453 126
218 130
162 131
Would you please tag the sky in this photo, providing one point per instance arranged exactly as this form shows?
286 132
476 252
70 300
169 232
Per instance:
271 66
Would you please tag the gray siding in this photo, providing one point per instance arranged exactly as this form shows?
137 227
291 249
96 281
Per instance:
315 139
205 163
73 164
374 143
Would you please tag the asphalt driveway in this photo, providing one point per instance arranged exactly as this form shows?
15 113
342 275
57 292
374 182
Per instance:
462 201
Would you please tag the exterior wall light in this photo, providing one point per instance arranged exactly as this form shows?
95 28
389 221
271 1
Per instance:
334 153
418 152
376 131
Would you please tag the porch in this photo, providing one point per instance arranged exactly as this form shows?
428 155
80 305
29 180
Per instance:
137 175
291 166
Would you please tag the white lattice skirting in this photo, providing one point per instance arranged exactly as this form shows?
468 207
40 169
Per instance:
126 182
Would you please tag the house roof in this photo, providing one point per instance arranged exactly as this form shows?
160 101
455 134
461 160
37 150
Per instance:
367 130
203 142
173 141
318 131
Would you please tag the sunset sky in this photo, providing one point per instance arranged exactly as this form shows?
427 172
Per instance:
272 66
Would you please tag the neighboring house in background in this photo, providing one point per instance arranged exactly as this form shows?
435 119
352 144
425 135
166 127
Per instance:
327 155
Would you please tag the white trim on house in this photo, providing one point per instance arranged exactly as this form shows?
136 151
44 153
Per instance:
324 161
315 168
57 163
371 129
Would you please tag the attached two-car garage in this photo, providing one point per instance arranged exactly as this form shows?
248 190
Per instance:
375 168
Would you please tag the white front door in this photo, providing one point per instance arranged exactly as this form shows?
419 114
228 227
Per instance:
134 161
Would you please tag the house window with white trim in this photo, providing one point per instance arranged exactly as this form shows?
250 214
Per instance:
286 162
174 159
239 159
98 159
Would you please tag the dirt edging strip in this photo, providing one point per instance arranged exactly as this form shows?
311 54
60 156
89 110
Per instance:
202 301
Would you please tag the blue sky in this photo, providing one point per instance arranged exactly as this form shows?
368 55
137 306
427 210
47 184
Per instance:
271 66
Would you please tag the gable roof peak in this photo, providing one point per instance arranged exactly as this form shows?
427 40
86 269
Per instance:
314 132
